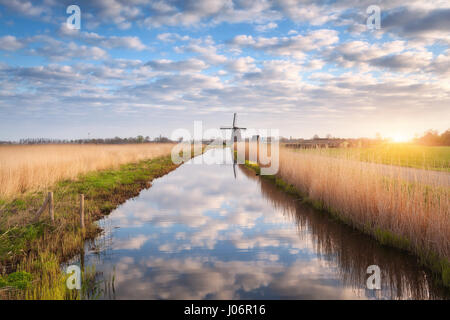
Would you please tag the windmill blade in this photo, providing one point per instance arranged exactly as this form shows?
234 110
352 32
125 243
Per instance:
234 120
234 169
226 128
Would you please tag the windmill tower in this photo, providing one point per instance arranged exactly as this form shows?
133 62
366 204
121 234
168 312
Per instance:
235 131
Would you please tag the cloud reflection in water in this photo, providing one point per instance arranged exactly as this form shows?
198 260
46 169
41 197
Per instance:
199 233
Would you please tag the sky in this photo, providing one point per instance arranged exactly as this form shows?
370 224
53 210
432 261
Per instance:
150 67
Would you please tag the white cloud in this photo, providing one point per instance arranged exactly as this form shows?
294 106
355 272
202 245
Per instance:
296 46
133 243
10 43
266 27
92 38
206 48
242 65
307 12
171 37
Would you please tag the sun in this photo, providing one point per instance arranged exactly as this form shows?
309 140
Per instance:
398 138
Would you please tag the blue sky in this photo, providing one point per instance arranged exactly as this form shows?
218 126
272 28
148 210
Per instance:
149 67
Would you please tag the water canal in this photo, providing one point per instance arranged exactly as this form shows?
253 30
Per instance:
201 232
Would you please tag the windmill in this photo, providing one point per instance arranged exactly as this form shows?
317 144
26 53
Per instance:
235 131
235 137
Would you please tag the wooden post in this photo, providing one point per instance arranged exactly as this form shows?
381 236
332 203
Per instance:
82 211
44 206
51 209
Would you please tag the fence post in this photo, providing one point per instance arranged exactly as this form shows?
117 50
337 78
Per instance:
82 211
44 206
51 209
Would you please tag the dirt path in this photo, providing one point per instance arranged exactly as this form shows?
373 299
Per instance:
430 177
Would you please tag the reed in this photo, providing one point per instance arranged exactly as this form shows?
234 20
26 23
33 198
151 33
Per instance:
31 252
402 207
38 167
374 197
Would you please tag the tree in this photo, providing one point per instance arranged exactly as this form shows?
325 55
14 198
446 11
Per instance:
432 138
378 136
445 138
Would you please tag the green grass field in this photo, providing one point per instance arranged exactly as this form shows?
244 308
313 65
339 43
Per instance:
399 154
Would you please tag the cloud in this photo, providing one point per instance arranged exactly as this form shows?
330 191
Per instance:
296 46
318 61
394 55
408 61
118 12
194 12
206 48
57 50
10 43
186 66
414 18
132 87
53 49
133 243
171 37
61 51
423 24
315 64
305 12
242 65
441 65
110 42
266 27
24 7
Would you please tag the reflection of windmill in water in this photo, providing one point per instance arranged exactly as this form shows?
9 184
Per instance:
235 137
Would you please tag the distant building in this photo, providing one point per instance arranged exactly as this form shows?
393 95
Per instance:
316 143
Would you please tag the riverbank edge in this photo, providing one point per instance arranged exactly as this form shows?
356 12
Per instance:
35 250
439 267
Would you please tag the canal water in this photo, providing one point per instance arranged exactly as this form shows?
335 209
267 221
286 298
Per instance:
220 232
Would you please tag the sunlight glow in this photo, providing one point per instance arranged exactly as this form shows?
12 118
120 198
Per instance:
399 138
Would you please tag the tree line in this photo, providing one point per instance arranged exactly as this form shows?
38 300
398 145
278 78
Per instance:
430 138
433 138
115 140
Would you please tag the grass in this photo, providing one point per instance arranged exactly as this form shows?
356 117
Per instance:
39 248
409 215
17 280
399 154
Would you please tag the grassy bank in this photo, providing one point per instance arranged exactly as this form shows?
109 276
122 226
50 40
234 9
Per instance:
31 252
350 208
